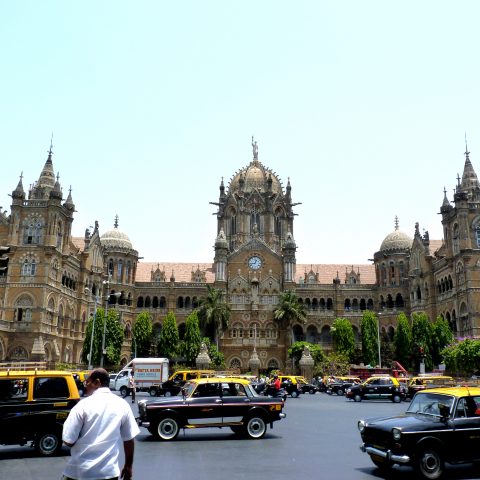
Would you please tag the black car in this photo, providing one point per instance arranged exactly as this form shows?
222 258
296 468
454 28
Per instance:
211 402
34 406
441 425
339 385
377 387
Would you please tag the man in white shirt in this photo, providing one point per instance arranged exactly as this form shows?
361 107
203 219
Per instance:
94 429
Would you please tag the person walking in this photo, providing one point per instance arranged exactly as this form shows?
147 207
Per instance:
131 385
94 429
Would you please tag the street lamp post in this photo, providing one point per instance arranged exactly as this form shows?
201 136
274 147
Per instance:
108 295
96 299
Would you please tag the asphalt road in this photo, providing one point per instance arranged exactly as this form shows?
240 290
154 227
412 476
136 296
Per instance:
318 440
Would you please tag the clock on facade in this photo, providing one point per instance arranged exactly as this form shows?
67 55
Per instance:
254 262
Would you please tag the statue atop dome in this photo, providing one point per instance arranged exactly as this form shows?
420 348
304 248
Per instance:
255 149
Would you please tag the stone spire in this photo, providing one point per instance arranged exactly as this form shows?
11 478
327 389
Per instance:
469 177
56 193
19 192
69 201
47 177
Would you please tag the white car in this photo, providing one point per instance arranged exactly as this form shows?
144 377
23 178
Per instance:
112 376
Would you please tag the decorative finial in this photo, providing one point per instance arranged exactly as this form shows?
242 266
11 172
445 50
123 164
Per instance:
467 153
458 179
115 225
396 222
50 152
255 149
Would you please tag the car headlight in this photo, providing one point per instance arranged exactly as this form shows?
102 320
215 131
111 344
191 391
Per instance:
396 434
361 426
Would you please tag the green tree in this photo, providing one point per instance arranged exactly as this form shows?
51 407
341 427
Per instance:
442 336
142 335
369 331
216 357
333 364
289 310
422 332
169 339
190 347
296 351
463 357
343 337
114 337
403 340
213 313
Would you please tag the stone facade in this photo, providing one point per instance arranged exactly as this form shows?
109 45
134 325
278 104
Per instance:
50 281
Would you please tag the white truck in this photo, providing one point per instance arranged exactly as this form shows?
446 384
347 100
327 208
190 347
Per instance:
149 374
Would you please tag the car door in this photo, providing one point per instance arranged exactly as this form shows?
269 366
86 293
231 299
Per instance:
14 408
466 423
236 402
371 388
205 405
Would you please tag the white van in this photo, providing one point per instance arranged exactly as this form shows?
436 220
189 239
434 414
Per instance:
149 374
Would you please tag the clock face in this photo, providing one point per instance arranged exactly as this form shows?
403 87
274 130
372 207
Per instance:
255 262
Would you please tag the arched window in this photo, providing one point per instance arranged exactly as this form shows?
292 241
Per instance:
127 272
119 270
155 302
140 302
162 303
363 304
148 302
233 224
110 267
456 239
370 304
355 305
235 363
477 234
29 267
180 302
399 303
329 304
347 306
23 309
59 235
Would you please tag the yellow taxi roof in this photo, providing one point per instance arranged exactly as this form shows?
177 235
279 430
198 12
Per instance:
455 391
243 381
18 373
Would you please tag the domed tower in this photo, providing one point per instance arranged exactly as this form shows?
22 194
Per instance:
255 203
121 260
391 267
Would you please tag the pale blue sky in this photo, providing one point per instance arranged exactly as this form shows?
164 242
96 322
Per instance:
364 105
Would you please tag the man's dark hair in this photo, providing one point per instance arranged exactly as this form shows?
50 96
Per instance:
102 375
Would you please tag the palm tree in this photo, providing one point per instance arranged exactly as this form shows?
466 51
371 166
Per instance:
213 312
289 310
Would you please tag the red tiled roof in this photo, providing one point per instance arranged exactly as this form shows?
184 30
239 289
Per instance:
435 245
181 271
326 272
79 242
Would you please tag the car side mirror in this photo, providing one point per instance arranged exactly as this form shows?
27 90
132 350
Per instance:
444 410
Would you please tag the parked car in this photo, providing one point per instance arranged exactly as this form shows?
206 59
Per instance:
377 387
295 385
440 426
177 380
339 385
422 382
211 402
34 406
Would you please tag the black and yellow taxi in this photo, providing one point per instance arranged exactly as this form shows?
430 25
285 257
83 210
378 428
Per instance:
422 382
177 380
80 376
377 387
33 407
441 425
340 384
296 384
211 402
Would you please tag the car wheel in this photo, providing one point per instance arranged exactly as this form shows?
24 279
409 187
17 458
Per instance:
357 398
312 391
167 429
396 399
255 428
124 391
48 443
152 391
382 464
429 463
340 391
168 393
294 394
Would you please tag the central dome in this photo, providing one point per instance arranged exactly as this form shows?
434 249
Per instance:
255 176
116 239
396 241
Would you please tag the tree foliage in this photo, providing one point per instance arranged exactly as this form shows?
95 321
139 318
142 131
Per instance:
114 336
343 337
142 335
190 347
169 339
333 364
403 340
369 331
296 351
422 332
463 357
289 309
213 313
442 336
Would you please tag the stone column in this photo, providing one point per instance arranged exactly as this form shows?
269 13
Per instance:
203 360
254 363
306 364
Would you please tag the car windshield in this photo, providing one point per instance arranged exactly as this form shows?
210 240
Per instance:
430 403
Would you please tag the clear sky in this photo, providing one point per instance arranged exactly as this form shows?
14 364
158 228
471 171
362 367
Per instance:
363 105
